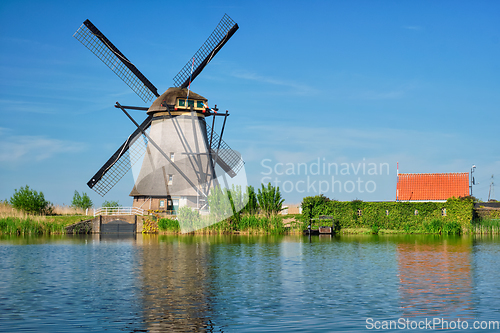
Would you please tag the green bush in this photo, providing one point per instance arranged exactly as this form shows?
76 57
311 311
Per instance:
452 228
430 217
111 204
189 218
219 202
169 225
435 226
314 206
81 201
30 201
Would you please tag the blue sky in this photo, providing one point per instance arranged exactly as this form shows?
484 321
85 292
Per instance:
357 85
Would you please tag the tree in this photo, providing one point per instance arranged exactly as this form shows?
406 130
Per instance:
220 205
111 204
270 200
252 205
30 201
81 201
311 206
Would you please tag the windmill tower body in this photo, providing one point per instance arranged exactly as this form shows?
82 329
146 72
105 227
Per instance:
179 129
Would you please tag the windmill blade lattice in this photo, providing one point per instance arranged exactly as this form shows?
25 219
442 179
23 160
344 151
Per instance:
122 161
224 30
229 160
96 42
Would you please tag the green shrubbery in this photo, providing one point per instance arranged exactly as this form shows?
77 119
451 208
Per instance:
110 204
168 225
453 216
259 213
30 201
245 224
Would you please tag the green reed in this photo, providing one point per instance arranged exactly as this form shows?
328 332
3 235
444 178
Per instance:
251 224
29 226
486 226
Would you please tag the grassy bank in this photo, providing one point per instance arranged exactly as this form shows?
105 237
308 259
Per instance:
451 217
14 222
37 225
29 226
278 224
486 226
246 224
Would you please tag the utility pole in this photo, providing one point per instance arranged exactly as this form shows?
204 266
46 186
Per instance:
472 181
491 194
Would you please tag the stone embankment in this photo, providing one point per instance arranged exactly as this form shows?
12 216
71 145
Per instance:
82 227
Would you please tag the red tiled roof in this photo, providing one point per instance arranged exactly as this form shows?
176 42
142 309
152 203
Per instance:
432 186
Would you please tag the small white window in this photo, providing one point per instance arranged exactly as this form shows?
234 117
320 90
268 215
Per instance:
416 212
170 179
162 203
359 212
443 212
387 212
172 156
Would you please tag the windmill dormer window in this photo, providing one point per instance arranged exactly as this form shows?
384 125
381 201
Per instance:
198 105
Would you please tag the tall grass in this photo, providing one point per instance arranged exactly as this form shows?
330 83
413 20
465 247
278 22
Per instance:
68 210
486 226
253 224
29 226
7 210
15 222
248 224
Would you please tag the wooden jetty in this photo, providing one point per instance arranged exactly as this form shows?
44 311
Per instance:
322 229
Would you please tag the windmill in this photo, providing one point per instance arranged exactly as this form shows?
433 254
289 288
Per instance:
183 157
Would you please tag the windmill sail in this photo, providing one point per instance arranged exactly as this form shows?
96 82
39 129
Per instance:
224 30
96 42
229 160
121 162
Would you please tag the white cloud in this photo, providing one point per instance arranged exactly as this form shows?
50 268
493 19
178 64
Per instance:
31 148
377 95
301 144
298 88
413 27
19 106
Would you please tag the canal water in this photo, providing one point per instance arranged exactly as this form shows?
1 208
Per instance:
248 283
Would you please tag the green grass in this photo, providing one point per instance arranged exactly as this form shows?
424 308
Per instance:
486 226
434 226
29 226
68 219
32 225
169 225
250 224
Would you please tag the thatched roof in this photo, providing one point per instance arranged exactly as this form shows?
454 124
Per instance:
170 96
